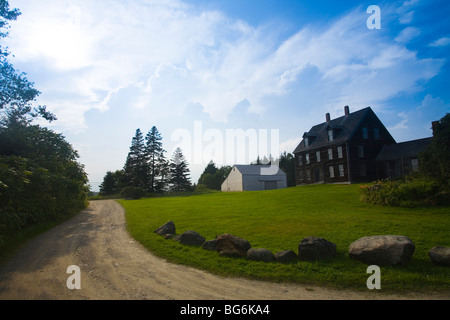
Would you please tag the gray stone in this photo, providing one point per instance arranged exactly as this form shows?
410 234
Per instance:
168 228
286 256
190 238
384 250
229 245
210 245
314 248
260 255
440 255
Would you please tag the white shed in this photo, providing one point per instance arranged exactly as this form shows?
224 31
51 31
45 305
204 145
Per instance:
254 178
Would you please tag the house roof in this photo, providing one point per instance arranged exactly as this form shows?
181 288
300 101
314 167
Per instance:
254 169
344 127
409 149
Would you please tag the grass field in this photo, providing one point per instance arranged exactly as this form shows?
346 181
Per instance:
280 219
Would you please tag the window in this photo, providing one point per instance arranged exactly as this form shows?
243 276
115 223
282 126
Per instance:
341 170
330 154
330 135
300 174
362 169
415 165
307 158
340 154
300 160
376 133
331 170
318 156
361 151
308 174
306 142
365 133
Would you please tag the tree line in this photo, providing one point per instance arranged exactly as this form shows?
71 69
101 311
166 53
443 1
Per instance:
147 170
40 177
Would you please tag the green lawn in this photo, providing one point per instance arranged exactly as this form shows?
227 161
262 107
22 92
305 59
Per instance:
280 219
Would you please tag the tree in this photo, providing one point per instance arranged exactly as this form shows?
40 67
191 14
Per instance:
136 169
109 185
16 93
179 172
213 177
287 164
435 160
156 161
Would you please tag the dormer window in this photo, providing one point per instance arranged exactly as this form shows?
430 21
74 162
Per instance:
306 142
330 134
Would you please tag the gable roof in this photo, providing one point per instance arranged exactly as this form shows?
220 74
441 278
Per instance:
409 149
254 169
344 127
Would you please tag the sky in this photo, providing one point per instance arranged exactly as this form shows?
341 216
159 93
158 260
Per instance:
228 80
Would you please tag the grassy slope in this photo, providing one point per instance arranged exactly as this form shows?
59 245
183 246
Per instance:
280 219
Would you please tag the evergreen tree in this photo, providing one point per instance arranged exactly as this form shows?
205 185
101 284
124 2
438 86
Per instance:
156 161
109 185
287 164
136 169
179 172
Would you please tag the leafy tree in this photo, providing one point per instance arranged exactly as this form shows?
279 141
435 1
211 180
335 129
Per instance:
179 172
213 177
435 160
287 164
40 177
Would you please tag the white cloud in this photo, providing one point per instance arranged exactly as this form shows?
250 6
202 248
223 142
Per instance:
407 34
167 55
441 42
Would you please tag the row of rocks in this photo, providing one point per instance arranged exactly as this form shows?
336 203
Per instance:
381 250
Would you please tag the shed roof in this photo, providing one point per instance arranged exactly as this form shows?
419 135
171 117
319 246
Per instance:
246 169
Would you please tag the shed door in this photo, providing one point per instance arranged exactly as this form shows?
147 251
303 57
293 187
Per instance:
270 185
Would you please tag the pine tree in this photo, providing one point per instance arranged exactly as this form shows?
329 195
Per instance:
135 168
179 172
155 156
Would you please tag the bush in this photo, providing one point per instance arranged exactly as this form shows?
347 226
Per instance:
132 193
407 193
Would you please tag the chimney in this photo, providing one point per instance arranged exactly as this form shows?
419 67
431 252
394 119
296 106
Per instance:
328 117
434 126
347 110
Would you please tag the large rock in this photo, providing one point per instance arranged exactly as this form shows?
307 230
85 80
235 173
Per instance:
168 228
286 256
385 250
314 248
440 255
190 238
231 246
260 255
210 245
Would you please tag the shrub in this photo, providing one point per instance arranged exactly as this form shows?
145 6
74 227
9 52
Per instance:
406 193
132 193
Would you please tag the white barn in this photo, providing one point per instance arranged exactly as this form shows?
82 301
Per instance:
254 178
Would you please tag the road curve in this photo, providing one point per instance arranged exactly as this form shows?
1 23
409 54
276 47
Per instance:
113 266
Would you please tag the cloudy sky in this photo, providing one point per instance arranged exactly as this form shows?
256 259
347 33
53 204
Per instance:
203 70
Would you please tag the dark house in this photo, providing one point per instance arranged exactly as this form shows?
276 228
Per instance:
401 159
342 150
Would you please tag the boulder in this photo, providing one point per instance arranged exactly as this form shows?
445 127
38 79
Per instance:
260 255
314 248
440 255
190 238
286 256
384 250
231 246
210 245
168 228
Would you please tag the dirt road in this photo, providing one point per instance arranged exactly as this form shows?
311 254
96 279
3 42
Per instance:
115 267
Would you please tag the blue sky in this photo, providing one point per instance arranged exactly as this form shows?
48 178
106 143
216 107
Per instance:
197 69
